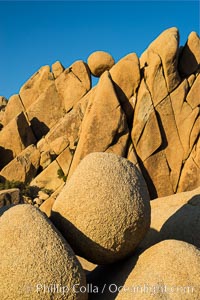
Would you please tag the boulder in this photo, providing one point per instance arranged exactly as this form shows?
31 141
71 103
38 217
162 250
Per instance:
35 86
47 205
126 74
73 84
45 111
126 77
190 55
9 197
99 62
23 137
168 55
48 178
24 167
36 266
104 126
168 268
103 210
57 69
13 108
175 217
154 76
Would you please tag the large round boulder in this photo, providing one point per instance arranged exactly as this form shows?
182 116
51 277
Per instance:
104 210
167 270
36 262
99 62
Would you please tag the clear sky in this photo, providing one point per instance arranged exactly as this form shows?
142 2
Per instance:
36 33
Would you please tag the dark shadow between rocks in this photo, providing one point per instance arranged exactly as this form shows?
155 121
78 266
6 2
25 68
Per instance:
3 209
39 128
187 63
6 155
184 224
106 281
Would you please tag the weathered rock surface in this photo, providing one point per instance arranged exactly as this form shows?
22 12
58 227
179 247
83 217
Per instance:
190 57
175 217
165 268
30 263
73 84
168 55
104 127
45 111
126 77
13 108
24 167
103 211
48 178
35 86
57 69
9 197
99 62
14 138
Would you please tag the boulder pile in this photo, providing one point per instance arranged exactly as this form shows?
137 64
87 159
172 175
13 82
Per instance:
79 166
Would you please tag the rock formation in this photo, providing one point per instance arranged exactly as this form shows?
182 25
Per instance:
144 112
145 109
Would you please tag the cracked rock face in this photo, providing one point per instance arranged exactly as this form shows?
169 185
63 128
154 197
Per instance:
145 109
35 255
103 211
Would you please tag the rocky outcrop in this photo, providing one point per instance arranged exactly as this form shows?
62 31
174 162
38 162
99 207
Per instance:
104 127
103 211
145 109
50 259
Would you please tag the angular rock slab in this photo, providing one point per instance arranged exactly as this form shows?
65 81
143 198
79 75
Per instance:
73 84
104 127
15 137
168 55
190 56
24 167
36 85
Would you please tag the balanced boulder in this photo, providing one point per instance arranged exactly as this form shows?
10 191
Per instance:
104 210
36 262
99 62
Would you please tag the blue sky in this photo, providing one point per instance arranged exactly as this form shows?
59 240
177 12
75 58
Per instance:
37 33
